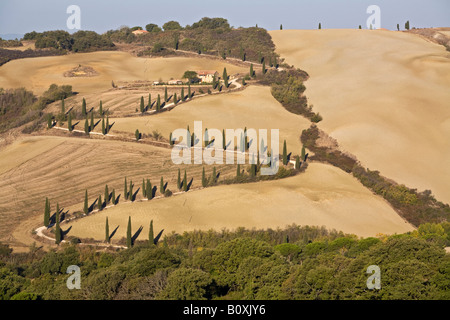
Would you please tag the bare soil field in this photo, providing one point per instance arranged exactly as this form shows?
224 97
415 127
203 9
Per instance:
62 168
323 195
383 95
37 74
254 107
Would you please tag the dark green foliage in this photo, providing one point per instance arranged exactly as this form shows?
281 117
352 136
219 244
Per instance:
185 182
297 162
281 27
130 191
69 122
144 188
142 106
125 189
47 212
407 25
161 186
179 180
80 41
83 107
151 27
103 126
204 181
252 72
238 170
106 194
58 235
100 203
137 135
86 125
113 197
158 103
149 191
171 25
129 243
166 97
183 98
91 125
86 203
151 237
320 26
189 92
285 159
107 239
175 98
100 108
225 77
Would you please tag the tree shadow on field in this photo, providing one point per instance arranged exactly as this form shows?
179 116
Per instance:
91 207
68 111
189 184
154 191
113 233
133 196
73 126
249 144
63 233
116 201
110 126
289 156
165 186
95 124
138 232
155 241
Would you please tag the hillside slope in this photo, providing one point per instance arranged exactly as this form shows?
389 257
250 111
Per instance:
384 95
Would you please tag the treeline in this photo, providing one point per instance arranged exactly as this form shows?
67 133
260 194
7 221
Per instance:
292 263
414 206
9 54
20 106
208 36
10 43
80 41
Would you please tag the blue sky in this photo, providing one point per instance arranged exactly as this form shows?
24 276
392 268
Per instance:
21 16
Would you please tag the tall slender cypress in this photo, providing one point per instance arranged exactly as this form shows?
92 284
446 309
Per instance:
297 162
129 244
183 98
131 191
47 212
91 125
151 237
224 143
161 186
83 107
214 175
158 103
86 125
100 109
149 191
203 178
113 197
57 228
175 98
252 73
149 101
189 91
303 153
63 106
107 124
185 182
144 190
166 96
106 194
69 122
179 180
125 190
100 203
225 77
285 161
86 204
107 239
238 170
141 107
103 126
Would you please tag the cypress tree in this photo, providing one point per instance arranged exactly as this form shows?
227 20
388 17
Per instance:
238 170
398 27
86 125
320 26
158 103
57 228
125 191
86 204
193 139
360 26
47 213
224 144
100 203
203 178
183 98
407 25
252 73
137 134
129 244
151 238
206 137
214 175
100 109
245 139
189 91
170 139
185 182
144 190
142 105
149 100
69 122
63 106
113 197
107 231
161 186
303 153
149 191
83 107
49 121
175 98
179 180
297 162
285 161
106 194
225 77
281 27
131 191
103 126
166 96
243 82
91 126
107 124
275 63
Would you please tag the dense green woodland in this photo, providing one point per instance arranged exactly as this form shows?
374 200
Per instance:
292 263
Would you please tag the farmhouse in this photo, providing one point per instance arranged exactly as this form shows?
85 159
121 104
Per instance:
175 81
138 32
207 75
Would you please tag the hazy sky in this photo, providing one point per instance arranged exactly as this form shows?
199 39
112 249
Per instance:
21 16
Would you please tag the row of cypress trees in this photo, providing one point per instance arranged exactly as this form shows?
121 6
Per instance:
130 240
176 99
